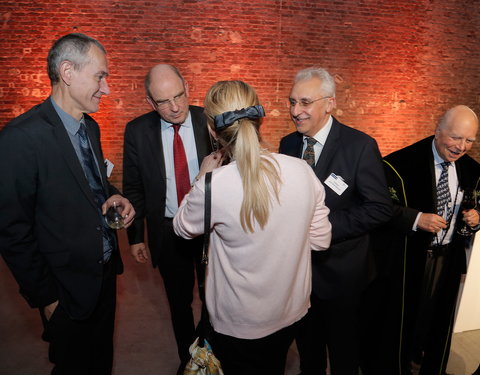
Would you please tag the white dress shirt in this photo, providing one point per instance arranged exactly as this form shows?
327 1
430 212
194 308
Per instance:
320 137
456 196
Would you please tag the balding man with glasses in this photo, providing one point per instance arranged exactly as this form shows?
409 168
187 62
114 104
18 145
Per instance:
349 165
162 153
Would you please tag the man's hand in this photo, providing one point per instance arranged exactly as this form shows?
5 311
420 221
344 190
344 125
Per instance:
128 212
49 309
431 223
471 217
139 252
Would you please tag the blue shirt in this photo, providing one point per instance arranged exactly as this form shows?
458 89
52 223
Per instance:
71 126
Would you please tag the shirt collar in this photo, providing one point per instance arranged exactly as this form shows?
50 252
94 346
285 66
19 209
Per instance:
187 123
322 134
436 157
71 124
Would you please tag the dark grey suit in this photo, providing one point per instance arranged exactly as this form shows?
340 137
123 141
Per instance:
144 183
50 226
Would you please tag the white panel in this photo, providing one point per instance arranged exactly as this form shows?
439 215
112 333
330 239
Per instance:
468 311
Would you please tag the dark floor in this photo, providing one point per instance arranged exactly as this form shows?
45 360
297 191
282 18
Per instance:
144 342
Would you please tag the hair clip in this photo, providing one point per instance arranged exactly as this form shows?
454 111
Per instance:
226 119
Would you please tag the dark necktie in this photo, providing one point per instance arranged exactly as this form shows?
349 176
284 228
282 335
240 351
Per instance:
309 153
443 192
91 173
182 177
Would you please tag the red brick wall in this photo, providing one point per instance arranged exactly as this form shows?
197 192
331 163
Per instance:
398 65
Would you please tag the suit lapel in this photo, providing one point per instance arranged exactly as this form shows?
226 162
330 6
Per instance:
298 148
433 180
423 185
328 152
458 167
154 140
67 150
294 146
202 137
95 143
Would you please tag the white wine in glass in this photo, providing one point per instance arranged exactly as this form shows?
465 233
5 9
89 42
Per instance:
113 217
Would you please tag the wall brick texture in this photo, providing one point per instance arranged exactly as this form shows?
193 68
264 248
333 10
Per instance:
398 65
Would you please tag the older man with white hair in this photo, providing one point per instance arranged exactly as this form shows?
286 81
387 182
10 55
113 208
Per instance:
428 181
348 163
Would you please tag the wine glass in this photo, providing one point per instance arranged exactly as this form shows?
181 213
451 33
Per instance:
113 218
468 202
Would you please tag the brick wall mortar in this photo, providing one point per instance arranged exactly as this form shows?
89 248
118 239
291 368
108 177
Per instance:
398 66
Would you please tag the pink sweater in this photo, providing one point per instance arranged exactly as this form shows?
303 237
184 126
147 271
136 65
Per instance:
258 283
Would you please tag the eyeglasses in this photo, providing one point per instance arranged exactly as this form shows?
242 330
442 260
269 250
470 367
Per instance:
162 104
304 103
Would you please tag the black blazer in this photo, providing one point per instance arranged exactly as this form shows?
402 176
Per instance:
144 180
402 252
50 228
345 267
414 165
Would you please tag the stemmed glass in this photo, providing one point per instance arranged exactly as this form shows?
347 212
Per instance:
468 202
113 217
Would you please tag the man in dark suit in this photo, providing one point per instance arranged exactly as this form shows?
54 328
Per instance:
53 195
427 254
150 181
349 165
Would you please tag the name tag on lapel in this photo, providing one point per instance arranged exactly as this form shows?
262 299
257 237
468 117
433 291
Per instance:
336 183
109 165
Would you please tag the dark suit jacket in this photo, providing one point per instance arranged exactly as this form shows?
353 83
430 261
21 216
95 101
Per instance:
419 186
402 252
144 180
346 267
50 228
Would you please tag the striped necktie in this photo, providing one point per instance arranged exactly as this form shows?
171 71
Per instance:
443 192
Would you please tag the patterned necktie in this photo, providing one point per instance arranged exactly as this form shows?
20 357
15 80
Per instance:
309 153
443 192
182 177
91 173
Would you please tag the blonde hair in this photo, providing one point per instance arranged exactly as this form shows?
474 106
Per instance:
241 142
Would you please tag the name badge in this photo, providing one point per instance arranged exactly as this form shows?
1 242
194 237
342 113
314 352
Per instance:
109 165
336 183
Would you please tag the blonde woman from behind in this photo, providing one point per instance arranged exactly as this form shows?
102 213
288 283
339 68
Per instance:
268 213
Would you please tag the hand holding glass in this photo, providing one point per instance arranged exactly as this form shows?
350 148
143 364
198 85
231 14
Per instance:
468 202
113 218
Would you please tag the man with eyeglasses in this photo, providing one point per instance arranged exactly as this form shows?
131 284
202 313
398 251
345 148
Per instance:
349 165
162 153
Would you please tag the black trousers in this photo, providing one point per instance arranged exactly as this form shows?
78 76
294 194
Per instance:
429 338
178 261
331 324
84 347
381 316
262 356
